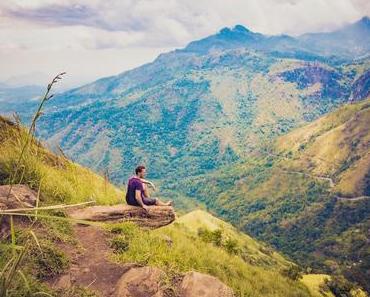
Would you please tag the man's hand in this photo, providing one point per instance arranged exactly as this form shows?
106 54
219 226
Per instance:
148 182
146 207
153 186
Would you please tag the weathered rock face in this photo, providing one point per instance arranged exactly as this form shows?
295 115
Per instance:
203 285
140 282
157 216
21 196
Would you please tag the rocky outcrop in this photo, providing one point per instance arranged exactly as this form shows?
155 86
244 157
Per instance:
203 285
140 282
155 217
21 196
149 282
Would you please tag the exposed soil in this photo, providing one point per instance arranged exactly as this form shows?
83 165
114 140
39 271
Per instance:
90 264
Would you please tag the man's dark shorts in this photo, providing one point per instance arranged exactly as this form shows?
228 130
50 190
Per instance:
149 200
146 200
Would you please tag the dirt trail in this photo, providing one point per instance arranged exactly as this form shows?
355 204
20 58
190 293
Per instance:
90 265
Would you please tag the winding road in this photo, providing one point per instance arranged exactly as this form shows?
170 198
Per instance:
331 184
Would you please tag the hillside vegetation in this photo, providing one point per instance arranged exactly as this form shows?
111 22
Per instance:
336 146
209 246
307 195
248 267
199 113
197 109
59 179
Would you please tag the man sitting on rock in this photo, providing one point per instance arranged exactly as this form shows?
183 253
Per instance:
137 193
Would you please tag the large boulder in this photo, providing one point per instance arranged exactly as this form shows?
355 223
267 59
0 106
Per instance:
203 285
155 217
21 196
140 282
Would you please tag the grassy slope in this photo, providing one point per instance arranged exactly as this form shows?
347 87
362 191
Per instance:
177 249
257 251
257 272
336 146
267 195
60 180
313 282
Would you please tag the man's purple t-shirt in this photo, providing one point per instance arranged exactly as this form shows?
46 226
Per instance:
134 184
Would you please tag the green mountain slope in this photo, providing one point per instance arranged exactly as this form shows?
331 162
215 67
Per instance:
249 267
255 252
308 195
194 117
195 110
246 265
59 179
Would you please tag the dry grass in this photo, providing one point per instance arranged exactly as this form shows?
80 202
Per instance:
60 179
188 252
313 282
335 146
23 160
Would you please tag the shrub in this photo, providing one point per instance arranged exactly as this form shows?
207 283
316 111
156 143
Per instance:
231 246
49 261
120 244
293 272
339 286
214 237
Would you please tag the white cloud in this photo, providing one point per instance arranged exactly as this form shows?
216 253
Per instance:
82 30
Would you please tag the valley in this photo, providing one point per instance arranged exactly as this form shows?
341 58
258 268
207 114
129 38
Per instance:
262 142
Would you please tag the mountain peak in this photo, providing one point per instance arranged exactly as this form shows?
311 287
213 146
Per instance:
365 21
241 28
236 29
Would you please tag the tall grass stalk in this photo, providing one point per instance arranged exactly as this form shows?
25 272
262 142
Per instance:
31 132
12 267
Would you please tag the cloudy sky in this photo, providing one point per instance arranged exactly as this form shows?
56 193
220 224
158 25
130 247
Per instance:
94 38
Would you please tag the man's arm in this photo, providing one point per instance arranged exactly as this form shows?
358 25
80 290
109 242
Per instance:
148 182
139 199
146 191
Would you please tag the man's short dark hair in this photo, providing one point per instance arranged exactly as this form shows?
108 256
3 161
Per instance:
139 169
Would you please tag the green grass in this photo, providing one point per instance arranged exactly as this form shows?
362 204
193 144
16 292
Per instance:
268 197
59 179
252 250
314 283
30 255
176 250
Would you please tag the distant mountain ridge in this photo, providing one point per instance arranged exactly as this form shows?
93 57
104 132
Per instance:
350 42
199 108
202 107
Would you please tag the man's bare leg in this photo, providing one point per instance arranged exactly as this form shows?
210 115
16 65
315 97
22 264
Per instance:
161 203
